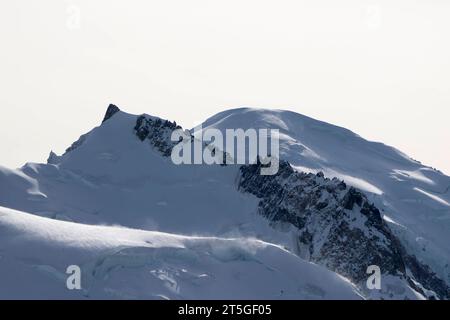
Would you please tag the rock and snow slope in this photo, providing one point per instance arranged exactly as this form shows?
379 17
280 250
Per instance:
119 263
119 173
414 199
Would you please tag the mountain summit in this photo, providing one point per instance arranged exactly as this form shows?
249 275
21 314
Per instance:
339 201
112 110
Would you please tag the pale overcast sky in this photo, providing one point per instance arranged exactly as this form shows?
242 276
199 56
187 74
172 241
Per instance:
379 68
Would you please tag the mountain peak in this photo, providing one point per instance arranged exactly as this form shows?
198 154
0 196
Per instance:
112 110
53 158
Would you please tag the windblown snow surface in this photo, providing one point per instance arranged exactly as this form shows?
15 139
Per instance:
123 263
141 227
415 199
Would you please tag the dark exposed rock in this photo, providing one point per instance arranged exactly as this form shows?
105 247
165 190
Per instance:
157 131
53 158
421 273
112 110
351 198
337 226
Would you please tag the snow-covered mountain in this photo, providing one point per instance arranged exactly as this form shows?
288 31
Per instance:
134 264
414 199
338 204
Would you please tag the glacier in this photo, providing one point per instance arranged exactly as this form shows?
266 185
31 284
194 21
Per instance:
142 227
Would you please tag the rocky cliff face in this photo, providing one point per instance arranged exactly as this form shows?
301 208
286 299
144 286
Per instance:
337 227
112 110
157 132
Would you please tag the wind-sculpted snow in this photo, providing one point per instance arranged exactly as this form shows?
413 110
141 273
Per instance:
118 263
412 197
339 228
121 173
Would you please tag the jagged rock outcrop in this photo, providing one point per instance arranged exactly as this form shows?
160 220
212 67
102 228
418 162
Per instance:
112 110
157 131
53 158
336 226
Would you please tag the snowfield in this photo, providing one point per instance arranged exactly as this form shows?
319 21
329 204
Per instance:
415 199
120 263
141 227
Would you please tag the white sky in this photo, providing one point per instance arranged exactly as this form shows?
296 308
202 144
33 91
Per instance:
379 68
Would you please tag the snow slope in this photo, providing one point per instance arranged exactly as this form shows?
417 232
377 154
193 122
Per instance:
119 263
415 199
114 178
110 177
